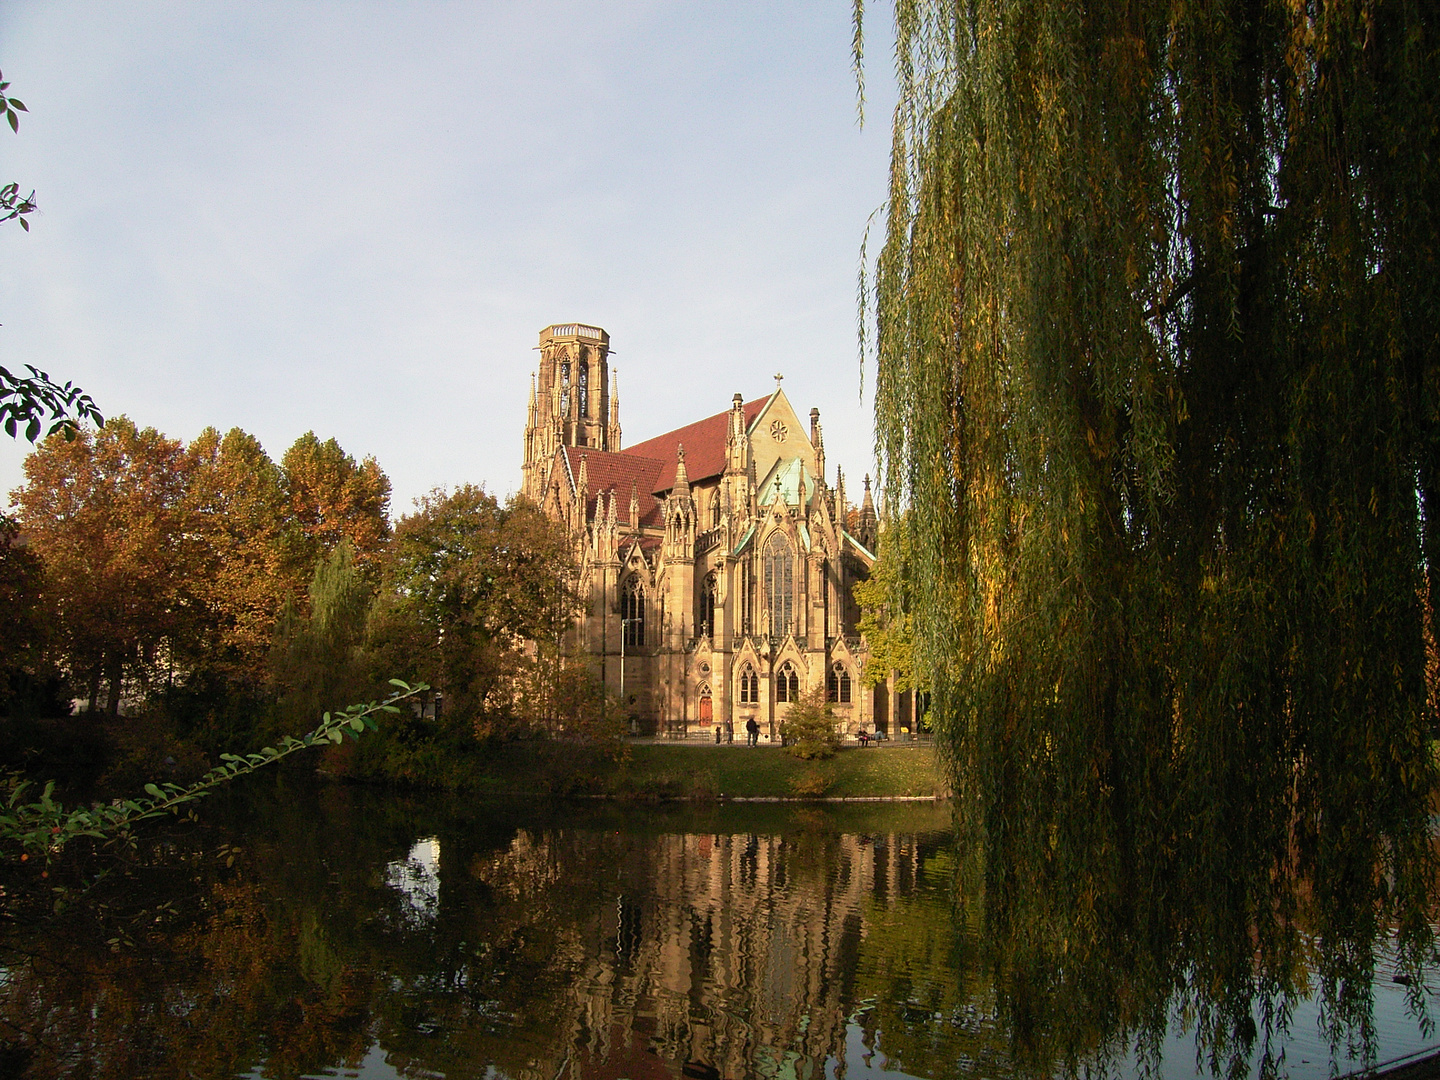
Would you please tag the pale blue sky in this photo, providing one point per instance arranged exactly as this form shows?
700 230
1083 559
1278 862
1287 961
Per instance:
355 218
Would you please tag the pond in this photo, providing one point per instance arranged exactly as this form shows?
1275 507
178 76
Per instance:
306 931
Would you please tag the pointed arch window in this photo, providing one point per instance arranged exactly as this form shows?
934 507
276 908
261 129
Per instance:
837 684
780 584
787 683
632 611
705 606
584 389
749 686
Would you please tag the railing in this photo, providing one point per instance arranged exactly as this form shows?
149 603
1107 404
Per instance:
707 540
576 330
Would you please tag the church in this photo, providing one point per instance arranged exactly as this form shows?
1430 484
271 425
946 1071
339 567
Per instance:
716 561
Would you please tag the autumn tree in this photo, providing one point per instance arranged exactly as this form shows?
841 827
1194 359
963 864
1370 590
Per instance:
488 590
235 503
329 497
1158 397
106 514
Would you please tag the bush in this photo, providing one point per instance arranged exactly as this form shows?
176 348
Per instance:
809 729
811 785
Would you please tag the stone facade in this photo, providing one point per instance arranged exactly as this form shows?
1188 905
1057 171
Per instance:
716 560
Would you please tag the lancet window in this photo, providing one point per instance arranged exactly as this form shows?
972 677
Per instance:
837 685
787 683
632 611
749 686
780 584
584 389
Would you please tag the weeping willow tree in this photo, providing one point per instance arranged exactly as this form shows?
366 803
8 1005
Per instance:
1158 402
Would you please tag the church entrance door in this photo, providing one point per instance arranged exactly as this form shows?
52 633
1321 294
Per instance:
705 709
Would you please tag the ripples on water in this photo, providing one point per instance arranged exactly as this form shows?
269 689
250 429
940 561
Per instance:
367 936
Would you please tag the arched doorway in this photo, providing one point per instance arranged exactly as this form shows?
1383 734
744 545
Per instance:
706 709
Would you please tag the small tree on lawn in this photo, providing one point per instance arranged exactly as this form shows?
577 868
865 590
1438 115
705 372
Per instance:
809 729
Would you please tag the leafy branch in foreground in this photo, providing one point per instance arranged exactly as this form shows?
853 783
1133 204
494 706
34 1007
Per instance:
15 206
47 826
25 400
10 199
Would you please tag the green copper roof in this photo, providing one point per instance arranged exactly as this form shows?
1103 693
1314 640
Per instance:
789 473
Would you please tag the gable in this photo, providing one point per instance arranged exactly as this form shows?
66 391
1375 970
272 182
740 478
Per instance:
778 418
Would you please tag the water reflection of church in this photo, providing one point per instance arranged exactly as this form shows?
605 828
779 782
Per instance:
730 955
716 559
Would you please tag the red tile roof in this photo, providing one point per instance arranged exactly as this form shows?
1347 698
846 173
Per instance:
704 443
622 473
648 468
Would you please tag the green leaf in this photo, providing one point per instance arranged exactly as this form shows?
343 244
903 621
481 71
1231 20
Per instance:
335 735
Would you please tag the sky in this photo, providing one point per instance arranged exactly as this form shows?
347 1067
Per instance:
355 218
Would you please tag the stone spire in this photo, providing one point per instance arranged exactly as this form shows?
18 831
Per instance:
817 440
582 494
680 518
533 449
634 508
612 435
868 525
682 479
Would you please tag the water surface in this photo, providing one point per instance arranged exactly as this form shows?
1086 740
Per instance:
357 933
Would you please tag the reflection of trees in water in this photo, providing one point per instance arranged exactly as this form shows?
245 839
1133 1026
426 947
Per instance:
545 945
1096 933
550 945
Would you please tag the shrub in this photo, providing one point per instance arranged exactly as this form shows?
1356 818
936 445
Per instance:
811 785
809 729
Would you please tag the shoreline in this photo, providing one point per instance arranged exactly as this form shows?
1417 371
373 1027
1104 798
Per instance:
674 772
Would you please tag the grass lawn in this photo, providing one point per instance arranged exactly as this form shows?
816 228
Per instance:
767 772
662 772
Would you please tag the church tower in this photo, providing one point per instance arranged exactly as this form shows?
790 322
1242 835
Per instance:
573 400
